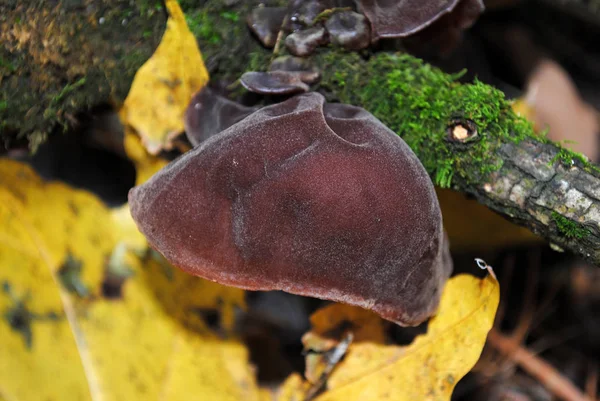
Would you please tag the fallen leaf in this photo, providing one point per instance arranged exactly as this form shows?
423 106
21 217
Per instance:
164 85
329 324
87 312
146 165
427 369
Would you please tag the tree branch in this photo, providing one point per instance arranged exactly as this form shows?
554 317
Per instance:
466 135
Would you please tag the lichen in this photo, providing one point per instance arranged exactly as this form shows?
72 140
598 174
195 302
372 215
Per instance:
568 228
418 102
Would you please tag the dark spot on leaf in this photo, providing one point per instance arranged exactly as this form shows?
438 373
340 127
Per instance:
210 316
70 277
20 318
74 208
116 273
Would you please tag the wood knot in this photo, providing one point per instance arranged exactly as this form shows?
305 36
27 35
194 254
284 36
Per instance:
462 130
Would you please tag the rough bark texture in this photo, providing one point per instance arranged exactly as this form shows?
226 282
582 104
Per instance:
58 58
525 178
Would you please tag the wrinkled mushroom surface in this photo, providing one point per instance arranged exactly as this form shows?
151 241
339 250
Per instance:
209 113
315 199
397 19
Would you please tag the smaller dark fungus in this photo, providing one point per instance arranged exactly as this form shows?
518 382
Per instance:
308 73
398 19
302 13
273 82
209 113
445 33
315 199
303 43
266 23
349 30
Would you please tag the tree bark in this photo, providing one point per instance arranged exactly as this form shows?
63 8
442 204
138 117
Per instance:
505 166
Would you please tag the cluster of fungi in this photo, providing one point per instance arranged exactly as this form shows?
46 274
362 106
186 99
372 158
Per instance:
313 198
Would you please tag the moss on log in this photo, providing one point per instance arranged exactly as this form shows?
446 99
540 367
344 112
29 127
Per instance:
58 58
62 60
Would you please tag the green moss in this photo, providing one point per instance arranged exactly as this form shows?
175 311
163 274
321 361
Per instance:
568 158
230 15
66 90
203 26
569 228
418 102
259 61
7 66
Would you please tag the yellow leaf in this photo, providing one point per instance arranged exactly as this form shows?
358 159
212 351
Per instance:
87 312
430 367
365 325
146 165
164 85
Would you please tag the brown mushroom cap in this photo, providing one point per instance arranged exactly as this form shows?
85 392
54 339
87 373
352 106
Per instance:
308 73
273 82
349 29
397 19
266 22
315 199
304 42
209 113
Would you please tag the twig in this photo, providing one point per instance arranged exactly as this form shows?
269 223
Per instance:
591 384
526 318
559 385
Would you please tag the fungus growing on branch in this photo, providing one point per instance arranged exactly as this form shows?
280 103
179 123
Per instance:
315 199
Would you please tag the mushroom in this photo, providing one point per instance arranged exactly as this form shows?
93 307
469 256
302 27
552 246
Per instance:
308 73
398 19
266 23
302 13
349 29
273 82
303 43
315 199
446 32
209 113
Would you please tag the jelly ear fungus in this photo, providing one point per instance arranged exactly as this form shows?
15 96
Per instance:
315 199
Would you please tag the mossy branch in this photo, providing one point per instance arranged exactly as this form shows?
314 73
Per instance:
59 59
499 160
